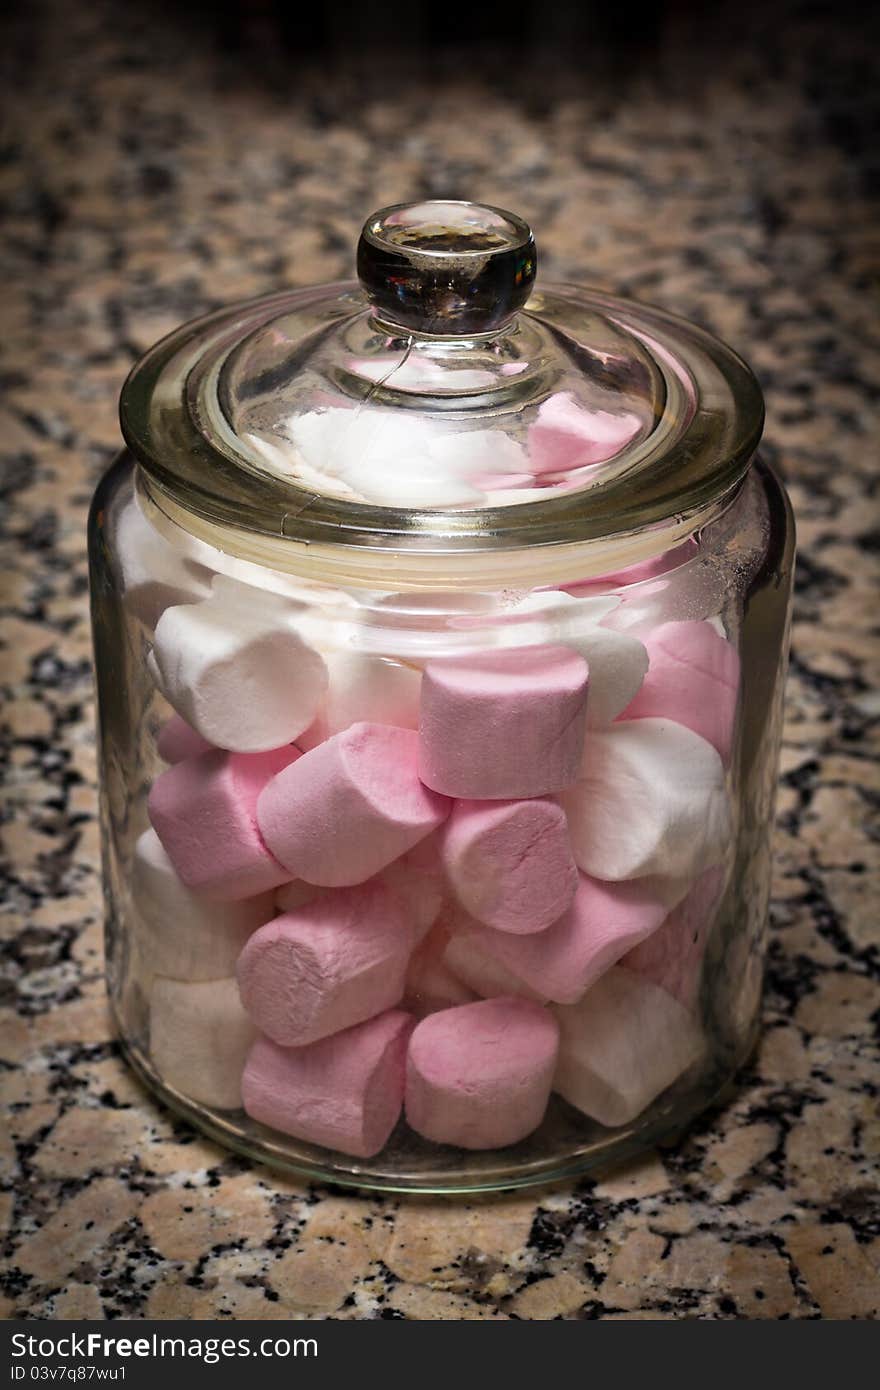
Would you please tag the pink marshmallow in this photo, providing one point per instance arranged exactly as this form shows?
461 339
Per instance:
693 678
204 811
604 922
479 1076
328 965
685 587
566 436
504 724
635 574
344 1092
509 863
296 894
178 740
417 881
430 984
349 807
672 957
482 972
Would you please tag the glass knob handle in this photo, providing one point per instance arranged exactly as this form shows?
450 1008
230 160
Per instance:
447 269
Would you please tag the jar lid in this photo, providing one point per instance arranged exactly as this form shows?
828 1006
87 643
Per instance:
443 403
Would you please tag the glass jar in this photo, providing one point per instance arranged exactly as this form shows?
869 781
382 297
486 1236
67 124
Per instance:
440 633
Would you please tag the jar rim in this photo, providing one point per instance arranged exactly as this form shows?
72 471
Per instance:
676 477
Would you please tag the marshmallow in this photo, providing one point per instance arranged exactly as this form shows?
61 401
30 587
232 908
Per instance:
344 1092
565 436
290 896
313 600
509 863
617 662
621 1045
204 812
478 454
651 568
504 724
287 462
417 881
199 1039
430 984
432 610
685 587
672 957
516 496
651 800
481 971
604 922
479 1076
416 488
235 669
416 370
154 574
693 678
379 456
400 458
535 616
364 689
326 966
350 806
183 936
503 484
177 741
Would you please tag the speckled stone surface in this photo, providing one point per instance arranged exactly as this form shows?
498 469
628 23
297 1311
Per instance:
145 185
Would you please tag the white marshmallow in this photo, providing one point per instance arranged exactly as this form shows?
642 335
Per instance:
621 1045
382 456
651 800
516 496
618 664
561 609
235 668
364 689
415 487
618 661
284 460
199 1039
182 935
474 453
416 371
547 615
399 458
330 601
154 574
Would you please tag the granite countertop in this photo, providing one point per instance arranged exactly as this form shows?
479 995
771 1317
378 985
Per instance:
151 180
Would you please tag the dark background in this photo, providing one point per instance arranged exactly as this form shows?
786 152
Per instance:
538 52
